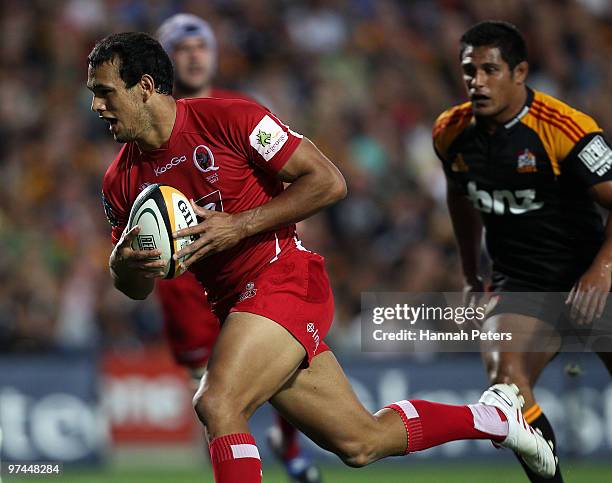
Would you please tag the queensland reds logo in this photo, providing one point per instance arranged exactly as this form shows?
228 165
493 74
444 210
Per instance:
203 159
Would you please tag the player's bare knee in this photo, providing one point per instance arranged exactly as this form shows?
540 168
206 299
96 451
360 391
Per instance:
200 405
213 406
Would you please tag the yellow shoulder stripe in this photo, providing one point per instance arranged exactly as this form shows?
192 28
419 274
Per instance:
558 126
449 125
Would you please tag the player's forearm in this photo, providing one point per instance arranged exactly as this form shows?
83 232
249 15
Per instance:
469 253
467 227
130 283
307 195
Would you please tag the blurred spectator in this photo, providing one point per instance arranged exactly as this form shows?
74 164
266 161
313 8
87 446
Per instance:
365 79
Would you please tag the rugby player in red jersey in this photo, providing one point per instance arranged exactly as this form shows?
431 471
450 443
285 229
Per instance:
192 47
271 294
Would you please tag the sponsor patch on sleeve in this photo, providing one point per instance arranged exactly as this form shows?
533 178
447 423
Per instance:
268 138
597 156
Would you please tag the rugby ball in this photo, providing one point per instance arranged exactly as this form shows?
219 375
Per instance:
159 210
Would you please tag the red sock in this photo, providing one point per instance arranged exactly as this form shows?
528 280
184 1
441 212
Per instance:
235 459
290 438
430 424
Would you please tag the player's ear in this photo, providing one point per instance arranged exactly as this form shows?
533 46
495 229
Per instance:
147 86
520 72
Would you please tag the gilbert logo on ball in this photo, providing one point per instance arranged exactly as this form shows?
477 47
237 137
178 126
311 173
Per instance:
159 210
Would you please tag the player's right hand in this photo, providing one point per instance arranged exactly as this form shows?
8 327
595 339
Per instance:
124 258
588 297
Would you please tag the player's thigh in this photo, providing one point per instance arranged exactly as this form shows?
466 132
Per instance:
252 358
320 401
534 344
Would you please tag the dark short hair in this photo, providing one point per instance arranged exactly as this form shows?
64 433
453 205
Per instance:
503 35
138 53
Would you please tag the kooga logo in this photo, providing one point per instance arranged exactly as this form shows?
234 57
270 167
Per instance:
159 170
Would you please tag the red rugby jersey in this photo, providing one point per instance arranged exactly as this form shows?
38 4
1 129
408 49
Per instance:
225 154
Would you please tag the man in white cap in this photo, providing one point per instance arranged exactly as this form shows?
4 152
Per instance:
192 47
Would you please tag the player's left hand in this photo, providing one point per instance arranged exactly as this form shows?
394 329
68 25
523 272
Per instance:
218 231
588 296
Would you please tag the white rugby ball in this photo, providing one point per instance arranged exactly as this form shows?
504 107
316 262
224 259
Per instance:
159 210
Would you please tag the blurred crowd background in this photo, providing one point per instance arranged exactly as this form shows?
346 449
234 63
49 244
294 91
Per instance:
364 79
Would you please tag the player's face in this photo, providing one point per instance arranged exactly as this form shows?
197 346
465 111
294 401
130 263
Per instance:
492 87
115 104
193 65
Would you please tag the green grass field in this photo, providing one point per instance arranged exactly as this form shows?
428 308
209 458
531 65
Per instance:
380 473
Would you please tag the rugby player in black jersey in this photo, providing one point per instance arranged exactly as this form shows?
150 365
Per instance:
529 169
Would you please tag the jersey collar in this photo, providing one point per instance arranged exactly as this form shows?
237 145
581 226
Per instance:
512 122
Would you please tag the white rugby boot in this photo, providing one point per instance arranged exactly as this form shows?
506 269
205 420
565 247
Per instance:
535 451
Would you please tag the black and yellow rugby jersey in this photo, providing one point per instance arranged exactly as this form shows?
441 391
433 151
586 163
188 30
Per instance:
529 181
